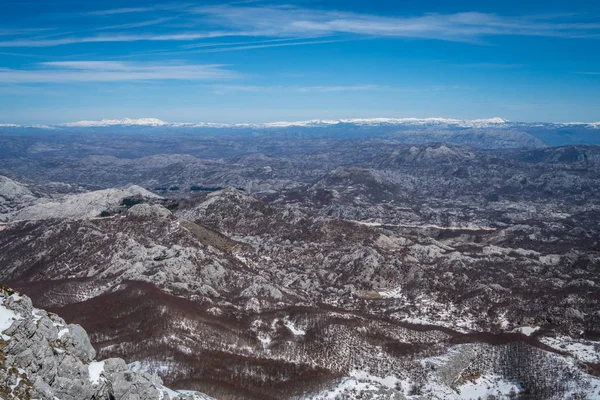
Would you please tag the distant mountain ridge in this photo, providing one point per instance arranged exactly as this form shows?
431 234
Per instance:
495 122
285 124
491 133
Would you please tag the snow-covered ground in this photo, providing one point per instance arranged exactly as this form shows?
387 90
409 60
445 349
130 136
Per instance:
95 369
431 312
488 385
584 350
78 206
359 382
474 123
527 330
465 227
295 329
7 317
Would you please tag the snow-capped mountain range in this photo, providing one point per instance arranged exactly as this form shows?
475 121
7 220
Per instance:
286 124
155 122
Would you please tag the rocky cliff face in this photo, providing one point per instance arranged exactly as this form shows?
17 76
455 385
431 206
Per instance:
43 357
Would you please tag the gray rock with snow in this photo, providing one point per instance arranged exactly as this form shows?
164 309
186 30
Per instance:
77 342
148 211
13 196
44 358
80 206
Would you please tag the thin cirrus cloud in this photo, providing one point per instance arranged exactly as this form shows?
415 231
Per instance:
242 43
112 71
140 24
115 11
290 20
225 89
265 46
113 38
286 21
490 65
219 47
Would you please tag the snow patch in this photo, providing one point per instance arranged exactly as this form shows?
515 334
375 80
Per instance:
395 293
584 350
95 369
297 331
113 122
474 123
7 317
527 330
486 386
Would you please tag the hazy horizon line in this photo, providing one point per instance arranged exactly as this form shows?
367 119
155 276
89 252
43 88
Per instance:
148 121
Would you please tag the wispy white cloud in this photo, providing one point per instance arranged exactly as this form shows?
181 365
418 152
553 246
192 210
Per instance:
13 54
467 26
92 65
140 24
214 47
22 31
286 21
186 36
490 65
153 6
242 43
225 89
115 11
111 71
265 46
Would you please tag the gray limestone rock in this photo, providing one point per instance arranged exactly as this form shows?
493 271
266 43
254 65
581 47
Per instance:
77 342
43 358
148 211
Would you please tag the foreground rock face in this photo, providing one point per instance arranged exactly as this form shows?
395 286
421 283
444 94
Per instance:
43 357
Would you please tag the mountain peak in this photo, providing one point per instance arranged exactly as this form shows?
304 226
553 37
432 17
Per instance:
123 122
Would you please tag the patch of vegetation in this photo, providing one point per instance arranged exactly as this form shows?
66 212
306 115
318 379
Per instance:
8 290
493 197
172 206
21 390
164 256
174 188
196 188
132 201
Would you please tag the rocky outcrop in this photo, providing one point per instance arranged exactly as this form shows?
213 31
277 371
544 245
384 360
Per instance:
148 211
43 357
84 205
13 195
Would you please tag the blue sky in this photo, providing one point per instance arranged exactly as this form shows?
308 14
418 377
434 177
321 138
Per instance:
255 61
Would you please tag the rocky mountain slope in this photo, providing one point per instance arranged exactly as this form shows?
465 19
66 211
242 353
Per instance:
270 267
14 196
43 357
239 298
